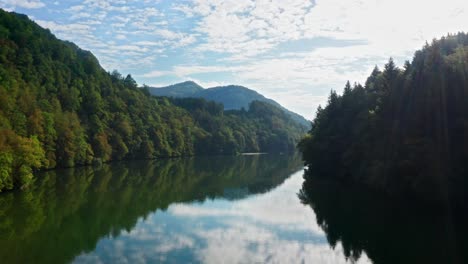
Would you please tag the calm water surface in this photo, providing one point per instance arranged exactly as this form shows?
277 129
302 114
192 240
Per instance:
246 209
211 210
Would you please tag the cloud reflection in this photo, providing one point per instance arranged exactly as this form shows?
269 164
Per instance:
279 207
269 228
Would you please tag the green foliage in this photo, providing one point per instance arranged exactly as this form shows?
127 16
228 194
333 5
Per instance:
6 170
19 156
405 132
59 108
264 128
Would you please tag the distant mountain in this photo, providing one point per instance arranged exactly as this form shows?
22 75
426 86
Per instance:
183 89
233 97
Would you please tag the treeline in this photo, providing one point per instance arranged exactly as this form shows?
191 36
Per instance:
263 128
405 132
60 108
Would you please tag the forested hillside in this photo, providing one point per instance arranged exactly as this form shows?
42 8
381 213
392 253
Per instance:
263 128
232 97
405 132
60 108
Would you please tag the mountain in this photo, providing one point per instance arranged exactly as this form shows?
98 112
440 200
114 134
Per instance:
405 132
233 97
184 89
60 108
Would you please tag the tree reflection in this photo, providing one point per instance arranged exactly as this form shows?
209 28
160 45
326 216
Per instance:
69 210
388 231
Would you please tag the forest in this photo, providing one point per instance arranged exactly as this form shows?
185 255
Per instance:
60 108
404 132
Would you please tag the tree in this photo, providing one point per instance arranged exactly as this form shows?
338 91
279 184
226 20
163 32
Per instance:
19 156
402 133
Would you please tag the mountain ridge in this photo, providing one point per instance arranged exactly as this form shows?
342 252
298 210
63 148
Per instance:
233 97
180 89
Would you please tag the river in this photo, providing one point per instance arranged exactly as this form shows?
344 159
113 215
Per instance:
244 209
241 209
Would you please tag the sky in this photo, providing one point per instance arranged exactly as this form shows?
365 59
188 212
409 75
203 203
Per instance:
292 51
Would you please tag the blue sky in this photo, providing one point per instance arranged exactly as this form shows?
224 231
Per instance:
292 51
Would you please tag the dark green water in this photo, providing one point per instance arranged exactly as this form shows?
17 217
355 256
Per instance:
242 209
372 226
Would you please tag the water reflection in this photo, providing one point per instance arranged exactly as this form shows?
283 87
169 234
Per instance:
74 211
366 223
272 227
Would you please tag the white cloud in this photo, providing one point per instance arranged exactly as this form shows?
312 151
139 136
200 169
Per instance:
186 70
31 4
154 74
76 8
76 28
247 27
149 43
81 15
165 33
207 84
391 26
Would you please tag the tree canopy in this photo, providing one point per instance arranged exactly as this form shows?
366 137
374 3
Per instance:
405 132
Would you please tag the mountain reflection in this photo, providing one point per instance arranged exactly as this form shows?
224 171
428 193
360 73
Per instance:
386 231
68 211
